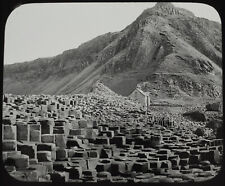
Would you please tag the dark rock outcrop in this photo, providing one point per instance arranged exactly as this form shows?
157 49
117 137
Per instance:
195 116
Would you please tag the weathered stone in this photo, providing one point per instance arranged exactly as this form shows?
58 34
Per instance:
33 161
82 123
207 167
80 154
195 116
213 106
162 156
140 165
79 161
204 155
48 138
10 168
89 173
7 121
46 126
59 177
156 140
103 165
184 161
21 162
9 145
92 163
60 123
43 156
102 140
142 155
46 147
166 164
60 165
214 156
105 153
78 114
59 130
194 159
60 140
35 133
28 149
91 133
74 172
41 169
117 167
104 176
93 154
48 165
9 132
12 153
154 164
73 143
118 140
184 154
23 132
61 154
76 132
74 124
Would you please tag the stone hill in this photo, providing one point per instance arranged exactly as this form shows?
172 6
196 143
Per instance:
167 50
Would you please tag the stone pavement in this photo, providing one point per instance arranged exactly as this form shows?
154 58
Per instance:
85 138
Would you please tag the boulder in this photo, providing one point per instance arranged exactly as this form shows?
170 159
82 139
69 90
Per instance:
214 124
195 116
199 132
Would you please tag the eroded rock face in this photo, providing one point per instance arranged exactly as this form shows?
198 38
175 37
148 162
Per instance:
169 8
178 85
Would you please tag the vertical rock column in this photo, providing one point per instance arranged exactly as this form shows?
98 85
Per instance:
23 132
35 133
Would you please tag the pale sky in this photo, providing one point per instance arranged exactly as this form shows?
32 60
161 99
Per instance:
43 30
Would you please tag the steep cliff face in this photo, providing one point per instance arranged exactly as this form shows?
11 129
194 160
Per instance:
167 50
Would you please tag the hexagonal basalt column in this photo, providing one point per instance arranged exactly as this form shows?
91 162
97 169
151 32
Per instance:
23 132
141 165
9 132
117 167
35 133
103 165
